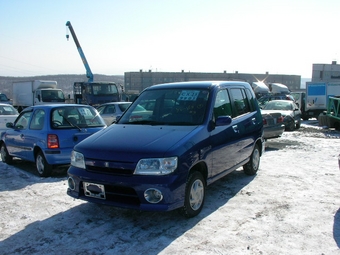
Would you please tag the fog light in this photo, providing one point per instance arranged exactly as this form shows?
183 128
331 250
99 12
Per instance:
153 195
71 183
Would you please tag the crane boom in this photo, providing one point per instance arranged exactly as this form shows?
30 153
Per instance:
89 73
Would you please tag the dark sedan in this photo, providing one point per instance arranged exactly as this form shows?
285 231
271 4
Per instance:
273 125
289 110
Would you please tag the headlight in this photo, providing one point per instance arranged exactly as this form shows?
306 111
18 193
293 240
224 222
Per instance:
156 166
77 159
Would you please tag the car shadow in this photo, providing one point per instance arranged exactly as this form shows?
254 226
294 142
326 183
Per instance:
336 228
99 229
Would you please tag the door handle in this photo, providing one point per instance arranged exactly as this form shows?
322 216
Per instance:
236 130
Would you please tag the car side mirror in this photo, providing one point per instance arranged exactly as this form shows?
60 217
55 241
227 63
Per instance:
9 125
223 120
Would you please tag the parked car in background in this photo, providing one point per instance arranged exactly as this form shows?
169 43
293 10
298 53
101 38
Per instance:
289 110
266 98
273 125
4 99
189 135
7 114
109 111
46 134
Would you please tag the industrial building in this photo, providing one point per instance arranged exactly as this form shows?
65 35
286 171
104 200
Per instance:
326 72
135 82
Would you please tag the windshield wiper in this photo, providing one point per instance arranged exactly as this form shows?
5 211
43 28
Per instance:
69 122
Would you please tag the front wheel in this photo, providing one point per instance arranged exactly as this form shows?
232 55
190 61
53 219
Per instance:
253 165
194 195
44 169
8 159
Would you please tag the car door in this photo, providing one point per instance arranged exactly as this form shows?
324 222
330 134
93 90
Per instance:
223 138
15 138
35 133
247 121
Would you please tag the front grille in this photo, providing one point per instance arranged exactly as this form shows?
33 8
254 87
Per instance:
113 171
110 167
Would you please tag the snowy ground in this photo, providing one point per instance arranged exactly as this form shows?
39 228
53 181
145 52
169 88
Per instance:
290 207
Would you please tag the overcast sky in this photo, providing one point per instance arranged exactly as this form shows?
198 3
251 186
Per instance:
279 37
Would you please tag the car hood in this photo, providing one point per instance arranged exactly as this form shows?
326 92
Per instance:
132 142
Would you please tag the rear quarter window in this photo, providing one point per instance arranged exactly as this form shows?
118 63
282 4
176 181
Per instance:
240 101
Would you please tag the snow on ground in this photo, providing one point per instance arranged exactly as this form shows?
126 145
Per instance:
290 207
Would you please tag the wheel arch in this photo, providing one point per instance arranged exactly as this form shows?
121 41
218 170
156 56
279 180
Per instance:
200 167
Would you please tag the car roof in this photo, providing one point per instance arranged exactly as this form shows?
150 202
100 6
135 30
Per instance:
52 106
116 103
197 84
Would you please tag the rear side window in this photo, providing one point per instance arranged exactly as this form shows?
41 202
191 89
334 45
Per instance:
252 100
240 101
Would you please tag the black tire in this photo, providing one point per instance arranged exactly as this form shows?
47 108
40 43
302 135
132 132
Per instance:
8 159
298 124
44 169
291 125
254 163
194 195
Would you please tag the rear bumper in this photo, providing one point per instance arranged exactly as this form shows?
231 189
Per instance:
273 131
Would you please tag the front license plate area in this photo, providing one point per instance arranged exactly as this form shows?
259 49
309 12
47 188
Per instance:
94 190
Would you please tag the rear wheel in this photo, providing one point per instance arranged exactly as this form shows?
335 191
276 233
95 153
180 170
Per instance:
44 169
291 125
8 159
254 163
298 124
194 195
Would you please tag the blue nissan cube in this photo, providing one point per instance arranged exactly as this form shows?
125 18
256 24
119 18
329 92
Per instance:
173 141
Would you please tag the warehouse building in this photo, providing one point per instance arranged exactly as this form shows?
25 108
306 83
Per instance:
135 82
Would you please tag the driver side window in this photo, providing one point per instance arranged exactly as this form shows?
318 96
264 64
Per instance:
222 105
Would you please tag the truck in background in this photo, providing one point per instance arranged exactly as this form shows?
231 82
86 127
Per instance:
278 88
331 117
263 90
90 92
260 88
314 100
36 92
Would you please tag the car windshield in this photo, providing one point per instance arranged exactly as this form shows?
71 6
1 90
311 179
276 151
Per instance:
3 97
278 105
168 107
8 110
76 117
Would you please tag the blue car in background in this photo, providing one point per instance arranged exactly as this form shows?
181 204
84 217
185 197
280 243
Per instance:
46 134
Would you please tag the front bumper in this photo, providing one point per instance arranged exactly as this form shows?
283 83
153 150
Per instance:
128 191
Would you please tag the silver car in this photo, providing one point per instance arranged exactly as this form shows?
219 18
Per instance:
109 111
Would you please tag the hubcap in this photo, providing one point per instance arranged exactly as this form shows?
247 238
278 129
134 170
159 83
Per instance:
196 194
256 159
40 164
